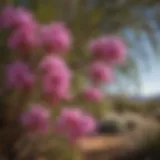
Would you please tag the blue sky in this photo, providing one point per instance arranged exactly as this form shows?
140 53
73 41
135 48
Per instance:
147 58
150 82
150 76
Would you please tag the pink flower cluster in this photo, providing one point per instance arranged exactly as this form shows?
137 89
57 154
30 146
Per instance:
36 119
100 72
74 123
23 26
110 49
55 38
27 34
19 76
107 51
13 18
56 78
24 40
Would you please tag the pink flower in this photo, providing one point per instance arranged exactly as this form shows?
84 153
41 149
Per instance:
11 18
55 38
56 87
36 119
100 72
24 18
23 40
7 17
50 63
19 76
74 123
108 48
92 94
56 79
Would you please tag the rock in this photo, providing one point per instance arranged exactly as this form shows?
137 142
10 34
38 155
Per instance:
109 126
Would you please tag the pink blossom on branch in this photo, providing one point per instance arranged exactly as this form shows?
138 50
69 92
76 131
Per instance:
36 119
100 72
23 40
19 76
111 49
52 63
56 79
55 38
74 123
55 87
13 18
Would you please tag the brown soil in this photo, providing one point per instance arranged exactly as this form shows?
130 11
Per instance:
129 146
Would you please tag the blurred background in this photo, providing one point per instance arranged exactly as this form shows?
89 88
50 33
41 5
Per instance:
137 82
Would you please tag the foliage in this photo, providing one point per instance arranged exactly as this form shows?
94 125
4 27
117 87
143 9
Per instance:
125 103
